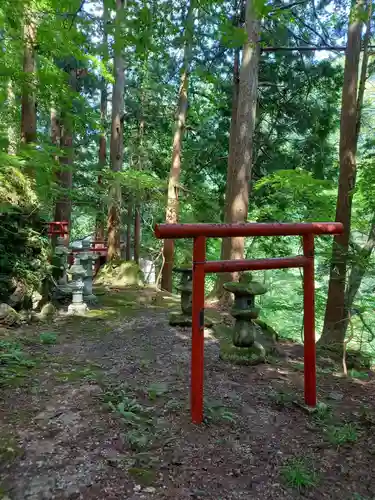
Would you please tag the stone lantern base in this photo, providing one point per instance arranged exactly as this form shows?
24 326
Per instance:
264 345
78 309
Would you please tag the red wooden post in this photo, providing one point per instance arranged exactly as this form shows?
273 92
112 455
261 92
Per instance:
197 338
309 321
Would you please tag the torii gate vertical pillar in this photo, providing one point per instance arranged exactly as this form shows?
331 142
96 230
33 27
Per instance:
197 341
309 321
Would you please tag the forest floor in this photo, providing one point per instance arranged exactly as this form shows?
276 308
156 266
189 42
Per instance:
97 408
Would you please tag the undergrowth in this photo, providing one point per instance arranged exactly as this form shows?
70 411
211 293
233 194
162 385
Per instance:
299 473
14 362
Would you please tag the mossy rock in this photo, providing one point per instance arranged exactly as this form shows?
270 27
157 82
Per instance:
8 316
119 274
47 312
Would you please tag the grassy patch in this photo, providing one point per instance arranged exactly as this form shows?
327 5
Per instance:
216 413
78 373
299 473
283 399
143 429
342 434
358 374
173 405
48 338
15 364
322 413
156 390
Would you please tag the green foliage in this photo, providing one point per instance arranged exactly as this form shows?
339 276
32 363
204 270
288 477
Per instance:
342 434
215 413
23 251
298 473
295 195
322 413
48 338
156 390
14 362
282 398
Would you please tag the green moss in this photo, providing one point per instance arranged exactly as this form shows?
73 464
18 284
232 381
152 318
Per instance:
9 450
144 476
119 274
240 355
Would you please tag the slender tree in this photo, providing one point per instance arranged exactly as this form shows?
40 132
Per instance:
137 208
28 103
175 172
117 133
12 132
336 311
128 248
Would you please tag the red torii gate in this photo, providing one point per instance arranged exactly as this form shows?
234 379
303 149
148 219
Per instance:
199 232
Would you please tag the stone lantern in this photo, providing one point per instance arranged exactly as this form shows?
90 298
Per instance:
247 335
77 306
87 259
186 290
61 253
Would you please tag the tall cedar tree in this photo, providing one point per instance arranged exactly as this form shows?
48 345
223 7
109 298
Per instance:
99 226
117 137
175 172
336 310
226 242
64 174
242 135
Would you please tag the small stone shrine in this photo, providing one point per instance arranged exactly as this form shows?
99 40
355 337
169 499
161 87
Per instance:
78 306
87 259
251 340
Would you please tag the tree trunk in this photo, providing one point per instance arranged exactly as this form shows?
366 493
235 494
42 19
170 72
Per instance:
64 174
359 267
137 208
336 312
128 248
358 271
174 175
12 131
116 145
226 242
238 201
28 103
137 233
99 225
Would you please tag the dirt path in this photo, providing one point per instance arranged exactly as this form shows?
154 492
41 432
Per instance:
105 415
